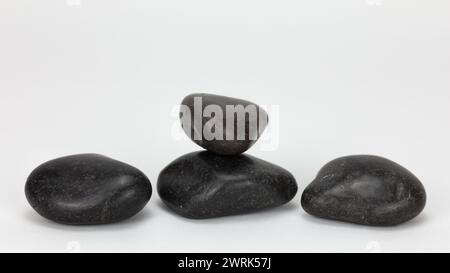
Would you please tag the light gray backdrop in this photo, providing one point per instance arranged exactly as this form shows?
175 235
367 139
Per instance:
349 77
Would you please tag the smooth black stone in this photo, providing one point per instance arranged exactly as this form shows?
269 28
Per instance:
225 146
87 189
203 185
364 189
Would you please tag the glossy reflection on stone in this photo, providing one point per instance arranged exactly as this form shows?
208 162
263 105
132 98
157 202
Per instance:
205 185
366 190
223 125
87 189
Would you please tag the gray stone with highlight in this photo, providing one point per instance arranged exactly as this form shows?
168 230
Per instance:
223 125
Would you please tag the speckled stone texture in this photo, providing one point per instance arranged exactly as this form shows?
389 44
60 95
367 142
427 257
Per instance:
204 185
225 146
87 189
364 189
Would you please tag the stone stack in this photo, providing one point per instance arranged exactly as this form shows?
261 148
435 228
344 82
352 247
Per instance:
222 180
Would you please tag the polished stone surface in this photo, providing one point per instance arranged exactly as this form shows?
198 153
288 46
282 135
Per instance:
224 139
366 190
204 185
87 189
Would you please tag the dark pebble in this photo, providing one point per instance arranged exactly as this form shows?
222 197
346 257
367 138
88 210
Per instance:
367 190
204 185
220 143
87 189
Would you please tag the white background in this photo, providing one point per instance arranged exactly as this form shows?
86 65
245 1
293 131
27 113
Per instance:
350 77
